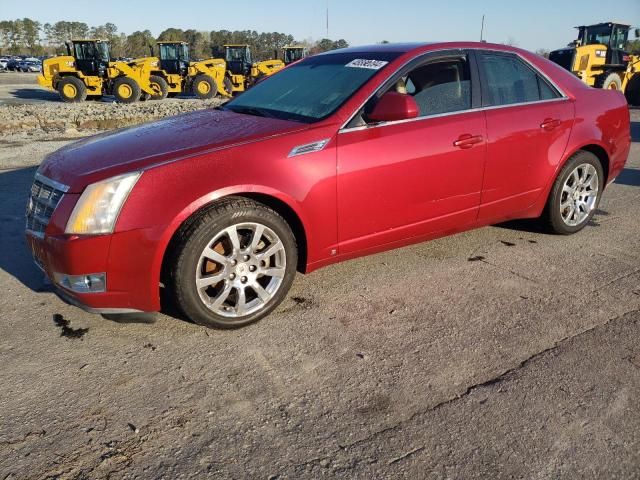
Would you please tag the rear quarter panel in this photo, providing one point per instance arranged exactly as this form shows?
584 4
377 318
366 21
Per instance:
602 119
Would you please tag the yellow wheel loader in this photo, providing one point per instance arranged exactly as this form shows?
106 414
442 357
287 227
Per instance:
87 72
599 58
172 73
293 53
243 71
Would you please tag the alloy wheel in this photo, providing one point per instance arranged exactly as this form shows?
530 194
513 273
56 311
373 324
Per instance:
579 194
240 270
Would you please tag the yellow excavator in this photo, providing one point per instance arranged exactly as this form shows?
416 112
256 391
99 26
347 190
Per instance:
87 72
243 71
293 53
599 57
172 72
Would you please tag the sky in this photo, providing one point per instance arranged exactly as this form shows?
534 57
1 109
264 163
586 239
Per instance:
531 25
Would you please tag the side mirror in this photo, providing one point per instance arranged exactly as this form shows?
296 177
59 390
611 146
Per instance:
394 106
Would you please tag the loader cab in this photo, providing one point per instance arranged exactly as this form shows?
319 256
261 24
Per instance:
293 54
612 35
238 58
174 57
91 56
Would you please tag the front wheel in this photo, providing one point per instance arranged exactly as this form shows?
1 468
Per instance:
72 90
126 90
204 87
159 86
232 265
575 194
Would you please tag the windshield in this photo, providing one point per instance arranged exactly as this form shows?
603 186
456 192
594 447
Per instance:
103 51
184 55
312 89
171 51
234 54
293 54
92 51
602 35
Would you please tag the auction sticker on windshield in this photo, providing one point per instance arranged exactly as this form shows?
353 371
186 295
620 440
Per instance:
364 63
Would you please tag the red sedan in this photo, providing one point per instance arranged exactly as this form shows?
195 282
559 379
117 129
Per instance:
340 155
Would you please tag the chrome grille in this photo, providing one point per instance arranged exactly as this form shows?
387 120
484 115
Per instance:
44 198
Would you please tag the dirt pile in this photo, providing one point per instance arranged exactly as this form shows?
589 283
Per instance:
91 116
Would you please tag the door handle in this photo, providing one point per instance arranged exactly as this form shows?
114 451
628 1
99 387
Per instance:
467 141
549 124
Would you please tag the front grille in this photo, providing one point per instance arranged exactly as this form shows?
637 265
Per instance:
44 198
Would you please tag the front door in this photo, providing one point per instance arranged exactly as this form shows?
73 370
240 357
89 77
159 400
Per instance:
403 179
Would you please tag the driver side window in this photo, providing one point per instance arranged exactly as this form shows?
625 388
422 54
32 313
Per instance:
440 86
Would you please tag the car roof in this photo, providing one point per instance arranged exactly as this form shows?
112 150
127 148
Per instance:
418 47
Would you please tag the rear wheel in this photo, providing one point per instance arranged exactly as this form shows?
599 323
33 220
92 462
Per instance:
72 90
126 90
609 81
575 194
233 264
159 86
204 87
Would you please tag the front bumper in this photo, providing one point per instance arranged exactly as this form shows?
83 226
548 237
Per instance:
129 286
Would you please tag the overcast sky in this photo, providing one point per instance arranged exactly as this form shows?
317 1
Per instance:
533 24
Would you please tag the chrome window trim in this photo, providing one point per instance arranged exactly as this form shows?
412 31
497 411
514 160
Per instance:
51 183
563 96
449 114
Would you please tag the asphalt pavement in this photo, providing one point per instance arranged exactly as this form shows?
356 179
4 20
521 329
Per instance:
503 352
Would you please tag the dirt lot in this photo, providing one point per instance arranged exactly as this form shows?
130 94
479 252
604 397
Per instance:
498 353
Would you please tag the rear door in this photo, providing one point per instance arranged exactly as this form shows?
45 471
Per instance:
528 127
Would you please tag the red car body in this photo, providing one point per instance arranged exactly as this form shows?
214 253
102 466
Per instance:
368 190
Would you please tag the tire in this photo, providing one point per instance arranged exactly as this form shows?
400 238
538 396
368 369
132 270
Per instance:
126 90
204 87
228 85
209 232
72 90
609 81
160 84
633 90
564 196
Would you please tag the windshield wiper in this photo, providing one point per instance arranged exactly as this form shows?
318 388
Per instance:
255 111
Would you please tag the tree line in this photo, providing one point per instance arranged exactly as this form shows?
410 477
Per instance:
30 37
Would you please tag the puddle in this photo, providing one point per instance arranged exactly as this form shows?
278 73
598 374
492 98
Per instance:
65 330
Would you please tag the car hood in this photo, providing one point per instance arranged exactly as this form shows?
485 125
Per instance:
106 155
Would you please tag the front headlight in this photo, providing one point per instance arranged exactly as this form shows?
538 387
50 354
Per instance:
99 205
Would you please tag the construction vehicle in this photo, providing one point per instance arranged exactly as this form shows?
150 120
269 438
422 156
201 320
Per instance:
173 73
243 71
599 58
87 72
293 53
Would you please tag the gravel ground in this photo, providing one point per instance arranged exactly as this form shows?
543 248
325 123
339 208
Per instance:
414 363
30 109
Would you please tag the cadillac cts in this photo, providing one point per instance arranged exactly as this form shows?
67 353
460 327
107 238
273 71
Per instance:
340 155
